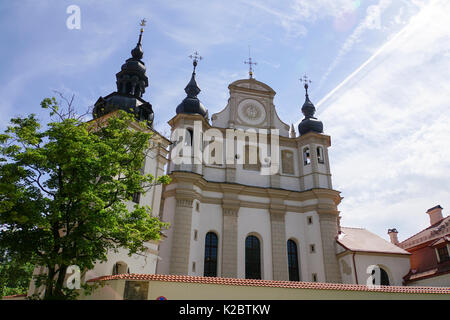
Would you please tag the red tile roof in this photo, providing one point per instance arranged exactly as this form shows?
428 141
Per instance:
272 283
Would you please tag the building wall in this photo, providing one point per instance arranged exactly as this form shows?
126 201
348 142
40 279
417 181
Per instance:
396 267
114 289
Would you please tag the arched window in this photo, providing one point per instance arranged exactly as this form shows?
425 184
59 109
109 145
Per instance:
210 265
189 136
320 156
252 258
306 156
384 277
294 274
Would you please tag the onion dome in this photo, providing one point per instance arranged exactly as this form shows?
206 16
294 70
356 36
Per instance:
309 123
191 104
131 83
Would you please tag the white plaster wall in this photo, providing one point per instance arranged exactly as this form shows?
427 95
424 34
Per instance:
166 244
323 181
251 177
309 182
210 220
347 278
289 183
396 267
214 174
298 229
255 221
137 263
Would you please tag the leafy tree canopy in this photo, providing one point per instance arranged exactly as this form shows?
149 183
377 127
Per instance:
65 191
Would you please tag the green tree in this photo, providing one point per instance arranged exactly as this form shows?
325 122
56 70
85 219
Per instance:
64 191
14 277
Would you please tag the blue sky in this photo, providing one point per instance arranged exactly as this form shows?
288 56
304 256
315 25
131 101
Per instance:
379 71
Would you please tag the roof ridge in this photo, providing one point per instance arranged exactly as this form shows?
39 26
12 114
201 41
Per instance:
271 283
424 229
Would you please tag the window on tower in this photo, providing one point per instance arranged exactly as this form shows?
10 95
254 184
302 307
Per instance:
306 156
320 156
210 264
189 136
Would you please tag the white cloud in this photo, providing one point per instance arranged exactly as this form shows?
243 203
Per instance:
389 124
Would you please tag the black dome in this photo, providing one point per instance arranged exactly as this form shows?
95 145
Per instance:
191 104
310 123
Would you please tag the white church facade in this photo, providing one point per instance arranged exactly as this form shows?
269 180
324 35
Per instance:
229 219
236 216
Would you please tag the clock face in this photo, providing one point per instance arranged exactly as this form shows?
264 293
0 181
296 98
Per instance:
251 112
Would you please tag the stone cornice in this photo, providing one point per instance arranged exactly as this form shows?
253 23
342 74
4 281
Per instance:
193 117
328 199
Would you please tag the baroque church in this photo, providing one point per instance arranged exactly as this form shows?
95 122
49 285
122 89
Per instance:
227 220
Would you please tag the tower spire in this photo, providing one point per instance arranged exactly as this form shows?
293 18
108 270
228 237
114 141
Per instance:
191 104
195 58
309 123
131 82
305 80
250 63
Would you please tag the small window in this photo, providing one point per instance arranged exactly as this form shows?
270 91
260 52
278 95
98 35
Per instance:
314 277
189 136
306 156
195 235
312 248
197 206
310 220
193 266
320 157
443 254
136 197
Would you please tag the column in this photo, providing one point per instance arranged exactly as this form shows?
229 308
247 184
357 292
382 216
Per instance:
179 258
279 249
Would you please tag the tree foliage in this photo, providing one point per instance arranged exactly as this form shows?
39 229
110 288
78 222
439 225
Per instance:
65 191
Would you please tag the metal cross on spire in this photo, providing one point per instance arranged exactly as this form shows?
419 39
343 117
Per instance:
142 24
305 80
250 63
195 58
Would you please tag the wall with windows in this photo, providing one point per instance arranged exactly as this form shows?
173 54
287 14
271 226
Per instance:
207 219
396 266
252 221
299 228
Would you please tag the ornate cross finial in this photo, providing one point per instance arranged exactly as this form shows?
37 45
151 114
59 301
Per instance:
195 58
305 80
250 63
142 24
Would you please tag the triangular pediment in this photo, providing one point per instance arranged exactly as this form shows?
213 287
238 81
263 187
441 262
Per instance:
251 84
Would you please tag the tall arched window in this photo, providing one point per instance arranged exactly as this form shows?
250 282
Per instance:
252 258
189 137
210 265
306 156
384 277
294 274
